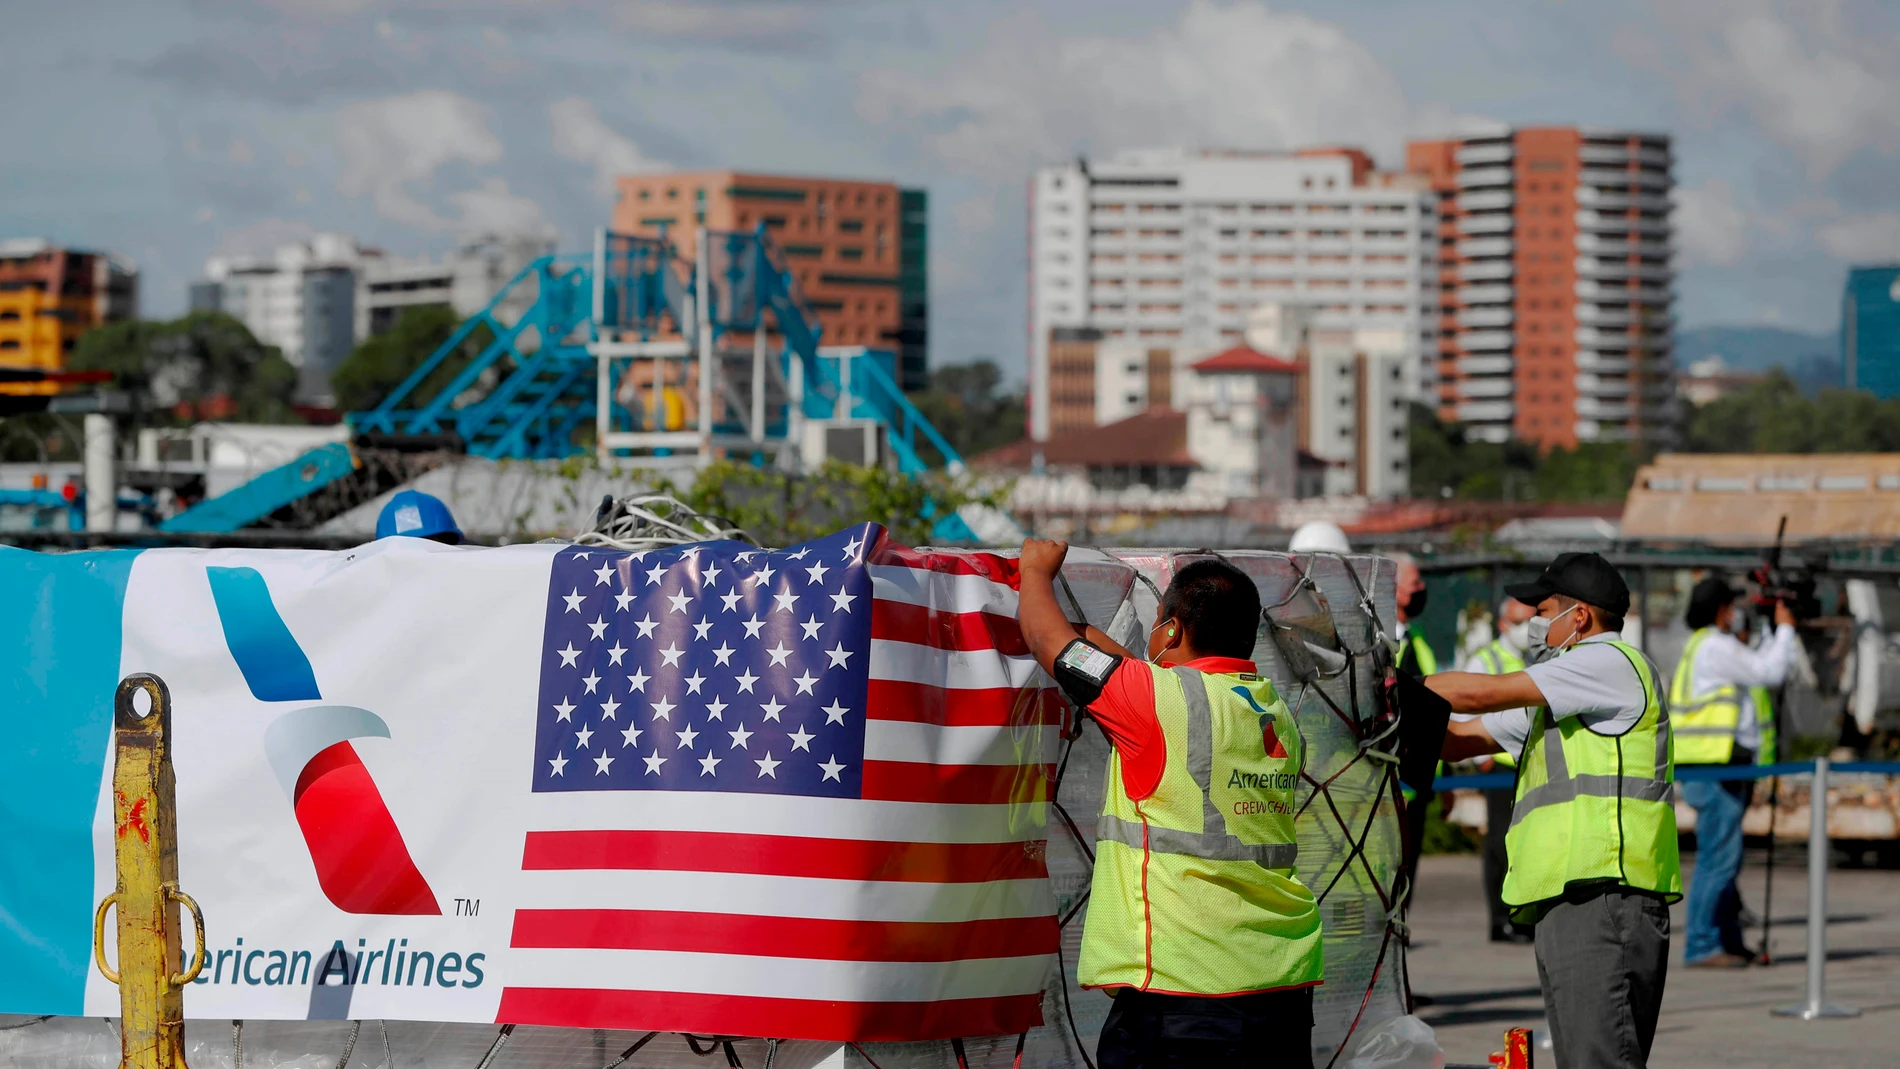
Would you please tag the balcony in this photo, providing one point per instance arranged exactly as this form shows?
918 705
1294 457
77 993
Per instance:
1603 315
1493 294
1479 341
1599 387
1479 248
1485 271
1477 155
1591 290
1489 200
1484 316
1486 223
1603 363
1590 408
1485 389
1485 412
1476 177
1486 365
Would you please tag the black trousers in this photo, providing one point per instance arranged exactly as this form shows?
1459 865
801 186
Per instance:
1146 1030
1497 821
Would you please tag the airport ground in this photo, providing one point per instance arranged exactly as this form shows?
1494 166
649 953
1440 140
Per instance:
1710 1018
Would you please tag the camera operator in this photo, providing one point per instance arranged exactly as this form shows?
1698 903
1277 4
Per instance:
1715 722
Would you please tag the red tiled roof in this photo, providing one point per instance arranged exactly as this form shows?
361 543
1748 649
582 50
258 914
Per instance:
1242 358
1157 436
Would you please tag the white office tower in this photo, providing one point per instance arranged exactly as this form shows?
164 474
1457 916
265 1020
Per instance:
300 298
1169 250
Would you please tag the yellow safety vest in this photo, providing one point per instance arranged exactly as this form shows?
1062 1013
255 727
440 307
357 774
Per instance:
1195 890
1704 724
1765 723
1500 658
1594 808
1421 651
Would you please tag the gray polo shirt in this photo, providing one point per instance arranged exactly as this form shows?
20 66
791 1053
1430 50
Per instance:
1592 680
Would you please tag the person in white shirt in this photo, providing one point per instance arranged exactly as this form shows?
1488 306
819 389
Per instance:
1715 723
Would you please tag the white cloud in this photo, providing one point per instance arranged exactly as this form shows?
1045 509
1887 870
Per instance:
1239 75
492 208
1807 74
393 146
1862 238
582 136
265 237
1712 226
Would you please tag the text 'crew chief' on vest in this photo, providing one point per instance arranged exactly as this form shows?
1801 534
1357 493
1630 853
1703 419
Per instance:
1197 920
1592 843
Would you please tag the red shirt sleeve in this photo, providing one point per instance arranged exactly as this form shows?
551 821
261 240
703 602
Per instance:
1126 711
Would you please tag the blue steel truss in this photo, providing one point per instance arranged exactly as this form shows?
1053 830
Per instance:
544 379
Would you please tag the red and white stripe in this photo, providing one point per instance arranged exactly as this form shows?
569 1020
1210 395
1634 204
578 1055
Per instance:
921 911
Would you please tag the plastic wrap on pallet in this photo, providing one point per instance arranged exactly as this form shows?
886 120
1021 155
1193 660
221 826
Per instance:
1355 806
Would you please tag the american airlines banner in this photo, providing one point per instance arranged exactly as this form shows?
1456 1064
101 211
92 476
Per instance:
797 793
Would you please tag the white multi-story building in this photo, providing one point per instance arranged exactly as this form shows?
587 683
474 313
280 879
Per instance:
301 298
1168 251
316 299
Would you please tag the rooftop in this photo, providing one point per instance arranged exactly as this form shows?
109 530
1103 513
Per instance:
1156 437
1242 358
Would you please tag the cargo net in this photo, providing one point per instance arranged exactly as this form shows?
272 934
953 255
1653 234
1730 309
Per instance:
1321 643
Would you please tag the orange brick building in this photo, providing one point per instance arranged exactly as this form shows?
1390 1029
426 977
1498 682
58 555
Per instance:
1555 282
49 296
860 250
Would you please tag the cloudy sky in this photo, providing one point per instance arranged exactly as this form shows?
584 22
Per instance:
170 129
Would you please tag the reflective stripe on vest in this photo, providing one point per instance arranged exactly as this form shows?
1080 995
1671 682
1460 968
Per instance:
1212 842
1705 723
1595 808
1765 753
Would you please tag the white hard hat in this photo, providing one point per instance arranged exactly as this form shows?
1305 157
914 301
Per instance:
1319 537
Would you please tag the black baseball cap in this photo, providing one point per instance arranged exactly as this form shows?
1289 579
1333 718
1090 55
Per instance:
1584 576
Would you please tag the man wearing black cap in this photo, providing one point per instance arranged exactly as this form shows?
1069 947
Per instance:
1718 721
1592 842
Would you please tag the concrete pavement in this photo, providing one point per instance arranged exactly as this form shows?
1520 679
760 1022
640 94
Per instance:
1711 1018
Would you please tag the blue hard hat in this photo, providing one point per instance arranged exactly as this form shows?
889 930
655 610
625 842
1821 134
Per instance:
414 514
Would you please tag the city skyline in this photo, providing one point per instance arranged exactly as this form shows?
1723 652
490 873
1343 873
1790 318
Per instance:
187 129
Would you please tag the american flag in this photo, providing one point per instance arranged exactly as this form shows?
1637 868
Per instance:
835 761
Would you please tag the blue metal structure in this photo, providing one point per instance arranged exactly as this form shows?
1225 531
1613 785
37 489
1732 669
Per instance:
638 287
266 493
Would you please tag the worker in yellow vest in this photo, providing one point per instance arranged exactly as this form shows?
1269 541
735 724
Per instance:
1412 654
1718 722
1592 841
1504 655
1197 920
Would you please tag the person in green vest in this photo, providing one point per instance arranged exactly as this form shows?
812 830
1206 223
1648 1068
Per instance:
1592 842
1412 654
1713 697
1502 656
1197 921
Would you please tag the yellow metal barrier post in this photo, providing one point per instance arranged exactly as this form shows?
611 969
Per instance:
151 985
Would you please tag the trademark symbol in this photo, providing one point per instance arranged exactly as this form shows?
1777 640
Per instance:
468 907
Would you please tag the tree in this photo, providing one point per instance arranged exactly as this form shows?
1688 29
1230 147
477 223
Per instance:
380 364
1772 416
965 405
1446 463
206 365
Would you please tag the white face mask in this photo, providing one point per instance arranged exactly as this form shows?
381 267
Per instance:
1538 629
1519 634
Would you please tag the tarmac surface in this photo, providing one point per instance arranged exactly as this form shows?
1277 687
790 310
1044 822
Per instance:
1715 1018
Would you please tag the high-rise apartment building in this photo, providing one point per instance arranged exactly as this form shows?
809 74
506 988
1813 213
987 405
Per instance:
50 296
1164 253
1870 330
464 281
302 299
859 250
1555 284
